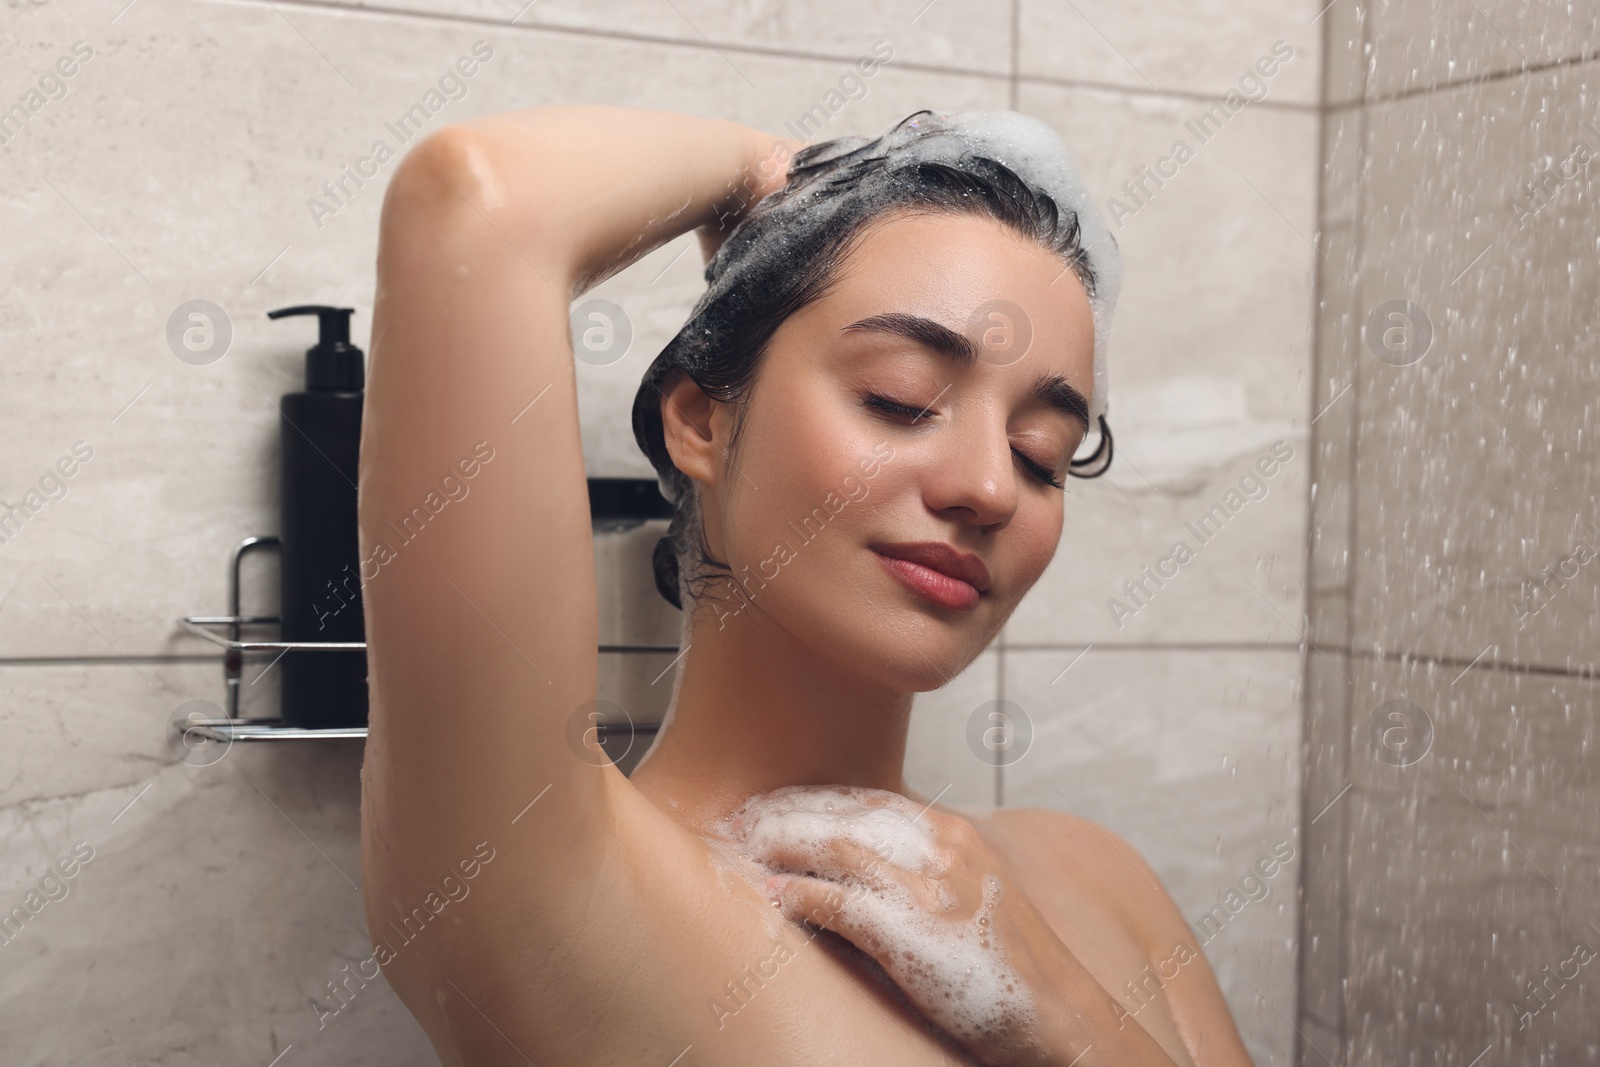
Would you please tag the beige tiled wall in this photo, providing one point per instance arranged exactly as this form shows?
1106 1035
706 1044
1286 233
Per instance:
179 165
1443 877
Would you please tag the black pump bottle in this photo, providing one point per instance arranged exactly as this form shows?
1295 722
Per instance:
320 592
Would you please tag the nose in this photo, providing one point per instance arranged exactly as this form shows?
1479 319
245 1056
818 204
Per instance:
974 474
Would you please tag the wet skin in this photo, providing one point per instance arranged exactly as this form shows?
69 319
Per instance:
610 923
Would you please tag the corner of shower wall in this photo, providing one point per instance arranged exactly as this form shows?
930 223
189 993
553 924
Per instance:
1325 752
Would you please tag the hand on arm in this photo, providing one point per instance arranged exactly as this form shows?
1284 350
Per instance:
756 180
921 892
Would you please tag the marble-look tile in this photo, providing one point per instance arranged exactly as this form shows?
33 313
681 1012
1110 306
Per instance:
968 35
1201 48
1208 371
86 738
1345 27
1449 922
217 897
630 610
1475 473
1194 758
1506 740
1319 1044
1473 862
1424 44
640 684
939 757
180 166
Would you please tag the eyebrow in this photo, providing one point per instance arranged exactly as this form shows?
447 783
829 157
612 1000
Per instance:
1050 389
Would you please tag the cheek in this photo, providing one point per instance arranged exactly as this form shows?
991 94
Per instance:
1034 533
798 471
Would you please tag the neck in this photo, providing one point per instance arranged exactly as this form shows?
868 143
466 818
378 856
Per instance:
755 710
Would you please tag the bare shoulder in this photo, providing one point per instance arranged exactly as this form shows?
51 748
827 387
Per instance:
1063 845
1066 847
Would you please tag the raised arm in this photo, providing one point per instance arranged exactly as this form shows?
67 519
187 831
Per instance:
478 562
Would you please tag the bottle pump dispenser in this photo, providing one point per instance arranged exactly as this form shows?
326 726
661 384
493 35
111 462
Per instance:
320 590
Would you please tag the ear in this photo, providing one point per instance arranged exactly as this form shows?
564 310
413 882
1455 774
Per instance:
690 423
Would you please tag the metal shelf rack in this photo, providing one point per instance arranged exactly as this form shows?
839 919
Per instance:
227 631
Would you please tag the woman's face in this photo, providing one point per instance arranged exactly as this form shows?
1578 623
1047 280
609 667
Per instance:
832 488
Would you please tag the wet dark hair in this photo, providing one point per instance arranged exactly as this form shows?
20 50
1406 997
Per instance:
777 260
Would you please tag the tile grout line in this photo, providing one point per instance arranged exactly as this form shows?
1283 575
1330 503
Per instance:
333 7
1014 77
1581 673
1467 83
1014 92
1343 915
1200 96
1308 692
100 661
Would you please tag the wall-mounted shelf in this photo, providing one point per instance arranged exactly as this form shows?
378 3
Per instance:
612 500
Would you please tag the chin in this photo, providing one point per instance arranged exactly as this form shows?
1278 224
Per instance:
839 604
925 667
890 640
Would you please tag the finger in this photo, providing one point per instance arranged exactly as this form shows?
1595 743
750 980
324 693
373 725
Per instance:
836 859
853 912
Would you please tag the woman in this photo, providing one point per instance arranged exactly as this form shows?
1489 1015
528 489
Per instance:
764 888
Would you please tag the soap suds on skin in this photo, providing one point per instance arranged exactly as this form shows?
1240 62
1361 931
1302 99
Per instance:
951 966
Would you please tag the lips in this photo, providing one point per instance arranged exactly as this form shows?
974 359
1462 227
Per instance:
937 571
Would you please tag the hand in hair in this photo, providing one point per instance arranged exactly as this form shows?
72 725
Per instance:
765 171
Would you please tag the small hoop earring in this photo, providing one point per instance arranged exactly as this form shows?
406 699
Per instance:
1105 445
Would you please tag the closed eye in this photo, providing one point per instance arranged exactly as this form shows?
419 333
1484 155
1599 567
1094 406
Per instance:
883 403
905 411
